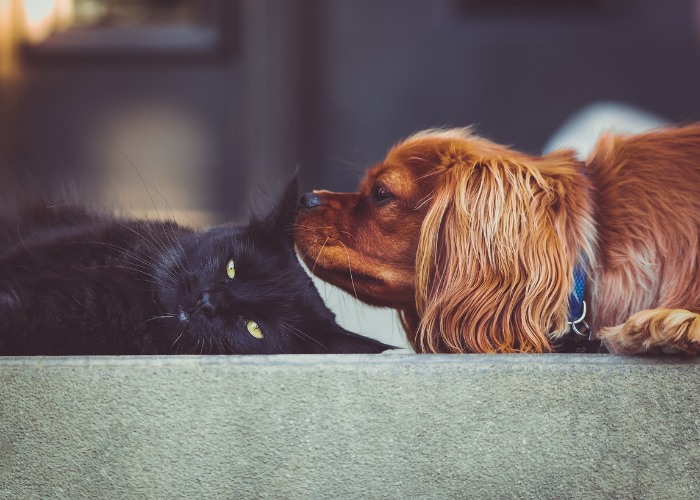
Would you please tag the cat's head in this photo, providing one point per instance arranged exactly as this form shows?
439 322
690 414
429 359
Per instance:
241 290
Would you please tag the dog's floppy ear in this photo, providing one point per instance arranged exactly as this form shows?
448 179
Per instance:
496 252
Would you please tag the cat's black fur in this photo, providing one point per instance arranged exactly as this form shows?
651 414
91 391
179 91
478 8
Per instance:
74 283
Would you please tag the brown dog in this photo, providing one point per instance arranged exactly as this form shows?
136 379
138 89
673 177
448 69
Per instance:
476 244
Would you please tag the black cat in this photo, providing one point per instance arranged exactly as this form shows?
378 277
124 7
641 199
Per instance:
74 283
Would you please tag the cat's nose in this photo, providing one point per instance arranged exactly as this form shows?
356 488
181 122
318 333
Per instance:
204 305
310 200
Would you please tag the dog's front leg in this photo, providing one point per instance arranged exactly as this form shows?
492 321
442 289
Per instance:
655 331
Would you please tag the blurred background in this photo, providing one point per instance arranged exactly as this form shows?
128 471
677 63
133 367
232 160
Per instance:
210 100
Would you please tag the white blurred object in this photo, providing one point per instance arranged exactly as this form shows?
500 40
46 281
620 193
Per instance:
582 129
375 322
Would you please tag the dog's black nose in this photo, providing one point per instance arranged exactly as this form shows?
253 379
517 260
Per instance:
309 200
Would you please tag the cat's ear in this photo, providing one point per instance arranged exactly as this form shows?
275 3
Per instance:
280 219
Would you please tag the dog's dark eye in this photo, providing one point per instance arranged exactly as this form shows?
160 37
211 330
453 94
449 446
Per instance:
381 195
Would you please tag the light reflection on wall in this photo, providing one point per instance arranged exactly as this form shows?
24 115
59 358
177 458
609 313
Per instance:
9 14
159 144
42 18
28 21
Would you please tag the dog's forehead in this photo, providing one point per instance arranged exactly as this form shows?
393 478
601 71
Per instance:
397 176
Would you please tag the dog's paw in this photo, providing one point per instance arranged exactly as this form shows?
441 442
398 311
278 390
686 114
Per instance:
618 340
662 331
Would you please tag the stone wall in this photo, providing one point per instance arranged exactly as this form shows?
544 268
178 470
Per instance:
352 426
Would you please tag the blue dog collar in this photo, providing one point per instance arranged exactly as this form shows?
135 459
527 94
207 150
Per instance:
577 304
579 337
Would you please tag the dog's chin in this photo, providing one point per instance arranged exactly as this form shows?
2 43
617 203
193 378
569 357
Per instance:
370 289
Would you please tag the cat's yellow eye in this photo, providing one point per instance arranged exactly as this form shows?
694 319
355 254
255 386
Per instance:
231 269
254 329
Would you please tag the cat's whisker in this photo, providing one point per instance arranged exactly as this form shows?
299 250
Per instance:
149 262
300 334
160 285
144 238
157 282
143 267
165 281
228 349
193 346
155 279
151 238
220 346
170 221
159 317
155 318
76 300
143 181
155 239
137 264
178 338
170 250
166 250
228 346
178 251
171 281
146 263
147 267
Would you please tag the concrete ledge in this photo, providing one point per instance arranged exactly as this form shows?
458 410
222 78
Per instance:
387 426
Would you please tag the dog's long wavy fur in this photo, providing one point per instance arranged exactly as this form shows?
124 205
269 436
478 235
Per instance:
496 249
